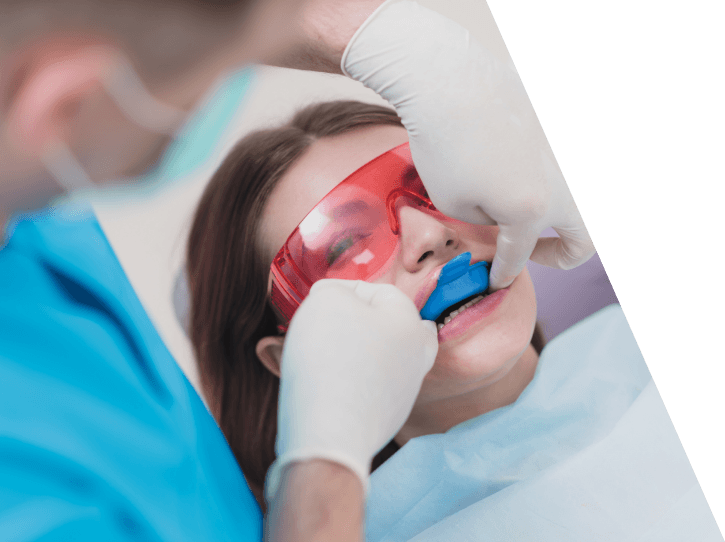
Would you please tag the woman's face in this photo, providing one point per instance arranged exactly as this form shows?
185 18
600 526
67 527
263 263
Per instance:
476 348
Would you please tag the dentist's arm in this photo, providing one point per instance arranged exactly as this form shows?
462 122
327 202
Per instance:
319 501
324 29
474 135
354 359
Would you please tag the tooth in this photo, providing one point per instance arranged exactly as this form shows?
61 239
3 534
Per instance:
447 319
440 326
454 313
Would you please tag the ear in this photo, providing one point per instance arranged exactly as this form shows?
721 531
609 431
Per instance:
269 352
50 86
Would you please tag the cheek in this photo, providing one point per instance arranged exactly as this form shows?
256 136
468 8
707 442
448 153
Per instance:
390 273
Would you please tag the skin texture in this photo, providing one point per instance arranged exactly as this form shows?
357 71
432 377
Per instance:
483 369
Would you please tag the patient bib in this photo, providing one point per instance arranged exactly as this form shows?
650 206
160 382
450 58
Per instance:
587 452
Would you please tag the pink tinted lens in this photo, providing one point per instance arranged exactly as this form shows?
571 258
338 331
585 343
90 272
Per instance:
352 233
347 236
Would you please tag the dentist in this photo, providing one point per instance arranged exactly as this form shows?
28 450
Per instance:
101 437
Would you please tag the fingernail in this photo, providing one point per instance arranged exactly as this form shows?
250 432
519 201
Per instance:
431 326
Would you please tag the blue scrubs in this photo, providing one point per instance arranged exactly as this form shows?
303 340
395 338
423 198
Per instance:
102 438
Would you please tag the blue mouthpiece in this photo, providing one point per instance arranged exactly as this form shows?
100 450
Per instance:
458 280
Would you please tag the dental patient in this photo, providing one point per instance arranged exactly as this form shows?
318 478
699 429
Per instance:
267 185
503 431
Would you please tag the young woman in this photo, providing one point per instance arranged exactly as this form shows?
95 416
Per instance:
496 419
265 187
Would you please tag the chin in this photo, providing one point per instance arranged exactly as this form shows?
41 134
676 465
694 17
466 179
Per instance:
486 353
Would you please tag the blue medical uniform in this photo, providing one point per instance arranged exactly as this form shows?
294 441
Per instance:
102 437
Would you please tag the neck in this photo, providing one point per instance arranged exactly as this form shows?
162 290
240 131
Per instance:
441 415
22 192
3 227
25 185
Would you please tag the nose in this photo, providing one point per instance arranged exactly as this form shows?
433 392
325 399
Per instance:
425 240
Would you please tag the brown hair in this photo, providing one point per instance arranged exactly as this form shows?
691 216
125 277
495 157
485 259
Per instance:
228 272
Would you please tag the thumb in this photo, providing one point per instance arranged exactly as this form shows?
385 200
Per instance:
387 298
430 343
571 249
369 292
384 297
513 248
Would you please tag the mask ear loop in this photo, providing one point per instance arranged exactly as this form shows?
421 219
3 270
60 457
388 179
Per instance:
128 92
137 103
66 169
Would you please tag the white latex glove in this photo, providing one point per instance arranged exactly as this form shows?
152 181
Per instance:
354 359
474 135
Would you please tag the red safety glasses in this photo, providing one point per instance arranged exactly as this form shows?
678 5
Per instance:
351 233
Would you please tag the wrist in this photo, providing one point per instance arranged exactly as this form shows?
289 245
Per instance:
318 499
360 29
334 465
326 28
321 478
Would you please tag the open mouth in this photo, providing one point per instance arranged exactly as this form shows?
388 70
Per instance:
457 308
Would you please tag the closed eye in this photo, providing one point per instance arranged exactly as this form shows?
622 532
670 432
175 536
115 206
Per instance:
343 245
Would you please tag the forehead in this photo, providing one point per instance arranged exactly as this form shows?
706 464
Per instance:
325 164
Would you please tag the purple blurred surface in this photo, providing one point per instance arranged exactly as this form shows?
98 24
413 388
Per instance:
565 297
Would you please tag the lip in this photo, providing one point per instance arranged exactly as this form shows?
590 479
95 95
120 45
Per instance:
472 316
431 282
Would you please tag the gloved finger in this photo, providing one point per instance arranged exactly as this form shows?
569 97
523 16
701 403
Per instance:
430 343
572 248
514 245
324 284
382 296
391 300
369 292
388 298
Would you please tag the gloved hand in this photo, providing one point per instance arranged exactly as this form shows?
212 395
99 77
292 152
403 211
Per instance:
354 359
474 135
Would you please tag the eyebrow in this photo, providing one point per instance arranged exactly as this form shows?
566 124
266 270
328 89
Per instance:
407 176
349 208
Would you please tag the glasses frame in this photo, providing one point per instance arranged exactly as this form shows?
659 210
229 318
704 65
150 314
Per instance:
383 176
